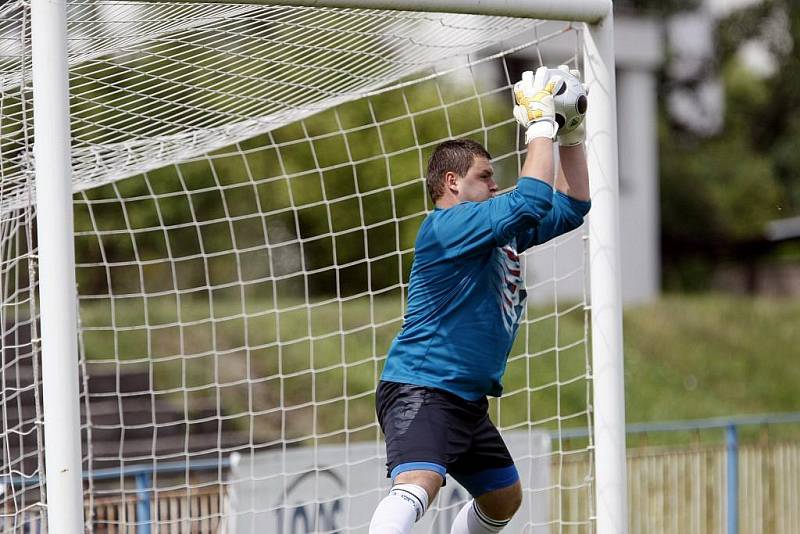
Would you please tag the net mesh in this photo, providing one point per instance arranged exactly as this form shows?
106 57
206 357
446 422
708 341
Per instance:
248 182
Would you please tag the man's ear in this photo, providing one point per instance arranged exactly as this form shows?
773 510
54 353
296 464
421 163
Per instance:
451 182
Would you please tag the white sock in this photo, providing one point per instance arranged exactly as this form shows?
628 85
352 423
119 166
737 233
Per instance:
471 520
398 511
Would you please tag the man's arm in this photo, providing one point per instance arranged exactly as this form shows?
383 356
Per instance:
539 160
535 111
570 202
573 174
571 199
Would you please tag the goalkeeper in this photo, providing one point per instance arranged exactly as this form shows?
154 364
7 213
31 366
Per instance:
465 301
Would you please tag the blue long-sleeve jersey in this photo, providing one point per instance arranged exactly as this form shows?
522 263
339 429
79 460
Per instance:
466 293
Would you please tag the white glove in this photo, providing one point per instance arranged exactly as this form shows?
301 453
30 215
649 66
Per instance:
578 134
535 110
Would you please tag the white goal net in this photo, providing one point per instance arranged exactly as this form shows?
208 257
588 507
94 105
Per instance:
248 181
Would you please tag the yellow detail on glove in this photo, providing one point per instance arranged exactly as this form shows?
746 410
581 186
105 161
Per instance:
534 109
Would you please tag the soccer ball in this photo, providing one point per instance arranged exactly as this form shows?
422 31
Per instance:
570 102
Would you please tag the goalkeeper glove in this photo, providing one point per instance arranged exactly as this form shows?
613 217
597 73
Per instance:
535 109
578 134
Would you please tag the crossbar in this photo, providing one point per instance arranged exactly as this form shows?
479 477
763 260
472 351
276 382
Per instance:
591 11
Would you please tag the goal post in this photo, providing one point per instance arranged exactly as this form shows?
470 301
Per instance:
591 11
234 124
606 285
56 264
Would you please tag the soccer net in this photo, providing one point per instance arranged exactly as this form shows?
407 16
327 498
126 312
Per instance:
248 182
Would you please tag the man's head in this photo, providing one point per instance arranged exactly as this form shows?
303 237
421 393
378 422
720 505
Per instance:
458 171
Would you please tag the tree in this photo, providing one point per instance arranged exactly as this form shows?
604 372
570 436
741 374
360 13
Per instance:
718 192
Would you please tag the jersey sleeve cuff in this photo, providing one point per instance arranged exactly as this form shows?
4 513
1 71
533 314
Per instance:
539 183
581 207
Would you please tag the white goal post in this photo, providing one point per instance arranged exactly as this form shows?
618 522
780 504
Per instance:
55 261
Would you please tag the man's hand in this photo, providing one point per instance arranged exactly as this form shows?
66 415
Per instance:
578 134
535 109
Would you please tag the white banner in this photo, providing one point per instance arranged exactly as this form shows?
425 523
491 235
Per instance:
335 488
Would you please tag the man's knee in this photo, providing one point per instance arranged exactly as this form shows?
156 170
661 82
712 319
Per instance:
501 504
406 503
429 480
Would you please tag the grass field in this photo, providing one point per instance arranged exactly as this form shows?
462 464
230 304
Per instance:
309 371
711 355
707 355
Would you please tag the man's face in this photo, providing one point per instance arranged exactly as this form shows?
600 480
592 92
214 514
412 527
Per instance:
478 184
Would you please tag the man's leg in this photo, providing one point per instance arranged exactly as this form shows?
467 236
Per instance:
406 502
488 473
490 512
413 419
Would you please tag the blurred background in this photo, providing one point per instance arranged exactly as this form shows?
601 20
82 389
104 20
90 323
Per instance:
724 72
708 93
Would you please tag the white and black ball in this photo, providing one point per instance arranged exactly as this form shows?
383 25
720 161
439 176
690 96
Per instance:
570 102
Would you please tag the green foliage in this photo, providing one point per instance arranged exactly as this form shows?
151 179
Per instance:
769 104
724 191
723 188
329 205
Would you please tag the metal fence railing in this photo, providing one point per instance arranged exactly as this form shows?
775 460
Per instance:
717 487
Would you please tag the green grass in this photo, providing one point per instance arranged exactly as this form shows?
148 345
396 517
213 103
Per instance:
703 356
296 372
711 355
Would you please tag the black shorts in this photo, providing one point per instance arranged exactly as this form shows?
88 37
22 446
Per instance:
431 429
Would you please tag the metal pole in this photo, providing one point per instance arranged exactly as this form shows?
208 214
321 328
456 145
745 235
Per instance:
609 398
57 291
732 508
144 485
574 10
